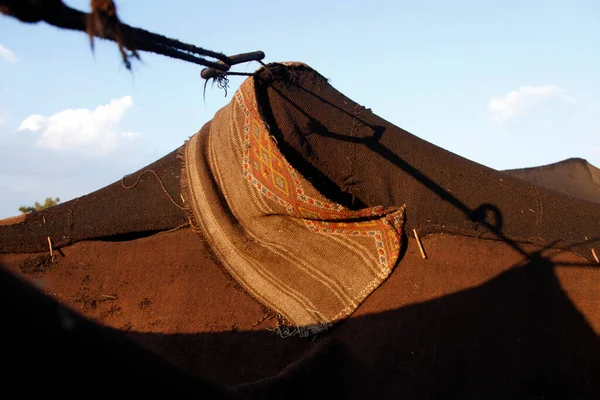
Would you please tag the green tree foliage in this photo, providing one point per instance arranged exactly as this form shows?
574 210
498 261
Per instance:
49 202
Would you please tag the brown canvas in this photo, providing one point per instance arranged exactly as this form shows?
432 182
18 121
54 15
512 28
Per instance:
142 203
360 160
574 177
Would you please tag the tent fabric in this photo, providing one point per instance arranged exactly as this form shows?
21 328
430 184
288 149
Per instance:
574 177
361 160
353 158
310 260
145 202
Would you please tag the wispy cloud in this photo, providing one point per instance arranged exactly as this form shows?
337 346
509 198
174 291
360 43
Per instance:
94 132
8 55
4 116
526 98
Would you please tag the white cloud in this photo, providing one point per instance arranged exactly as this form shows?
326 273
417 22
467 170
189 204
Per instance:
4 116
8 55
94 132
525 98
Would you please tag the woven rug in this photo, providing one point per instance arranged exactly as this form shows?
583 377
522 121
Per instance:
310 260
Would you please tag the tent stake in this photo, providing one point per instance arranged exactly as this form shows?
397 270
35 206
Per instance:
420 244
50 246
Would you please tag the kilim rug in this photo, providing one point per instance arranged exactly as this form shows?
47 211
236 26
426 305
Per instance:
310 260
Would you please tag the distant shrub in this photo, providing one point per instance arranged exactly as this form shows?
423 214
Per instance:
49 202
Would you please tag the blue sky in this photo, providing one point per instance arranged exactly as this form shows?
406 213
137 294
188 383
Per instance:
506 84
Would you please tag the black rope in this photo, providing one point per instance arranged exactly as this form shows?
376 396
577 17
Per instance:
177 54
142 34
233 73
159 44
107 26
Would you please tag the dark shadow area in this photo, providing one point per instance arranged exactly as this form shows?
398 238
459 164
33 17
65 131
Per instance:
126 237
47 349
516 336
